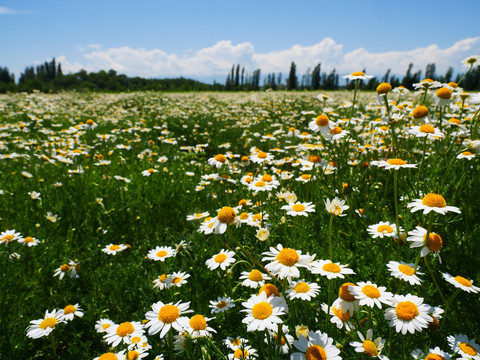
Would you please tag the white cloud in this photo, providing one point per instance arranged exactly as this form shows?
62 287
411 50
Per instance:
5 10
218 59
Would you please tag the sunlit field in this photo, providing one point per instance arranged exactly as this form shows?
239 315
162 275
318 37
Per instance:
259 225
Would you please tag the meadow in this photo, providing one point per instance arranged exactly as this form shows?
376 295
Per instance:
252 225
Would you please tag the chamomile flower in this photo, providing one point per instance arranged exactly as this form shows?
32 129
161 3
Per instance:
321 123
162 282
244 353
163 317
70 311
259 186
317 345
418 238
254 278
463 346
113 249
336 207
160 253
466 155
383 229
263 312
179 278
149 172
408 314
302 290
346 299
369 346
432 202
420 113
222 304
263 233
427 131
29 241
442 96
261 157
102 325
115 334
299 208
395 164
197 216
7 236
285 262
235 343
432 354
339 317
370 294
43 327
358 75
112 356
281 342
405 272
62 270
461 283
138 353
330 270
225 216
218 161
222 260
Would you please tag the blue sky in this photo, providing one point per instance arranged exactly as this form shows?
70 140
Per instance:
203 38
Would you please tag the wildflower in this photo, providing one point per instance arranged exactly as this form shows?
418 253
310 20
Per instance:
149 172
338 317
433 354
70 311
198 327
323 124
408 313
461 283
336 207
383 229
285 261
302 290
218 161
43 327
163 317
299 208
418 238
225 216
62 270
329 269
262 234
316 346
262 312
179 278
260 157
102 325
138 353
471 61
346 300
369 346
421 113
405 272
223 259
281 342
432 202
113 249
112 356
51 217
425 130
358 75
160 253
463 346
162 282
235 343
254 278
7 236
370 294
466 155
395 164
246 352
197 216
115 334
34 195
442 96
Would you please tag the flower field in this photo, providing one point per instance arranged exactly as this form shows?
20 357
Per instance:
262 225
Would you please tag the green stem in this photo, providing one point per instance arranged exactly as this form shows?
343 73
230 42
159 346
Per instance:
434 280
170 342
447 307
463 77
330 242
395 194
357 81
54 348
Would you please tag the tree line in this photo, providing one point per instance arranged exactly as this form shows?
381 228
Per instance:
49 77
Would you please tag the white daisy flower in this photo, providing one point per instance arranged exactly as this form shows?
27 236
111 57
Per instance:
113 249
316 346
162 282
338 317
330 270
218 161
285 261
115 334
197 216
336 207
43 327
395 164
198 327
254 278
417 238
235 343
149 172
70 311
323 124
432 202
463 346
346 300
262 312
223 259
426 130
466 155
163 317
461 283
102 325
179 278
405 272
358 75
302 290
299 208
160 253
7 236
222 304
225 216
260 157
371 347
246 352
408 314
113 356
29 241
383 229
436 353
281 342
370 294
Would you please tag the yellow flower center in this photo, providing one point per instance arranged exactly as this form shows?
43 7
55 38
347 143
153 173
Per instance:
163 277
282 340
336 130
198 322
243 216
168 314
262 155
302 287
114 247
162 253
124 329
298 207
240 354
434 200
434 242
226 215
8 238
370 348
105 326
269 289
371 291
427 129
467 153
344 316
220 158
242 202
221 304
29 239
455 121
331 267
420 112
444 93
69 309
48 323
287 257
384 88
64 268
314 158
344 293
248 180
260 184
176 280
244 158
306 176
255 275
220 258
135 340
405 269
467 349
151 171
358 73
262 310
108 356
322 120
316 352
267 178
432 356
406 310
396 162
463 281
385 229
90 122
